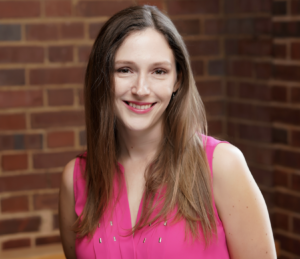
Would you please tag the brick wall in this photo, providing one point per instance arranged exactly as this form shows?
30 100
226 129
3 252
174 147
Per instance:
262 60
285 124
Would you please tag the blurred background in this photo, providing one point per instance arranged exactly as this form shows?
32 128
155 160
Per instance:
246 60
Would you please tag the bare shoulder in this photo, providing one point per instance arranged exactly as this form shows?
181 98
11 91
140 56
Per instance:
226 157
241 206
67 174
67 215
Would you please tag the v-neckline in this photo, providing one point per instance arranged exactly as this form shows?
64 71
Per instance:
127 198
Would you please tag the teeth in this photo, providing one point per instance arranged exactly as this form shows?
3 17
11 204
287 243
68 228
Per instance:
143 107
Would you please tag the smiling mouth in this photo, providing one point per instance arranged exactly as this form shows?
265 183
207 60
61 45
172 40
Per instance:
140 107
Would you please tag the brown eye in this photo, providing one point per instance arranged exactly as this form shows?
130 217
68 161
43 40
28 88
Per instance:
123 70
160 72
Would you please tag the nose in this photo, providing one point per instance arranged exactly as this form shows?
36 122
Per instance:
141 85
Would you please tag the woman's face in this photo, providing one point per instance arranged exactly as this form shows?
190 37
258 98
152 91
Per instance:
145 78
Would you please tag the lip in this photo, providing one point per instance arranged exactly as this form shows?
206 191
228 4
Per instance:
138 111
137 103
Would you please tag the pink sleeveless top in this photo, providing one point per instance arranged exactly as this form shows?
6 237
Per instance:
157 241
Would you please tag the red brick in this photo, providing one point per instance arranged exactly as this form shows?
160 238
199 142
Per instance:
279 93
295 94
52 160
203 47
16 243
288 244
30 182
60 139
295 52
65 75
289 159
209 88
251 47
295 182
295 138
231 47
81 96
33 141
254 91
60 54
94 29
241 68
58 97
249 111
19 9
295 7
263 70
232 129
42 32
84 53
158 3
100 8
279 136
14 162
215 127
21 54
263 26
216 67
10 77
234 26
193 7
57 119
257 154
286 29
72 30
285 115
296 225
12 121
6 142
215 108
279 8
12 99
214 27
187 27
55 222
47 240
14 204
280 221
197 67
21 141
45 201
256 6
279 51
14 226
232 88
58 8
255 133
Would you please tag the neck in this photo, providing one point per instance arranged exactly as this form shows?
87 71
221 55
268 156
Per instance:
138 146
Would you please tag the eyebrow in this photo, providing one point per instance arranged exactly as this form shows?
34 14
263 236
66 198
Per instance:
154 64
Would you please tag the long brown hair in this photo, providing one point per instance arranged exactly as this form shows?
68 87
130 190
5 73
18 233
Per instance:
180 166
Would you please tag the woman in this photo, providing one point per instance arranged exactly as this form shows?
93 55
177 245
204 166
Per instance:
144 188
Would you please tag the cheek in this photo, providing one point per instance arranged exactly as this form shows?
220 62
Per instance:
163 90
121 86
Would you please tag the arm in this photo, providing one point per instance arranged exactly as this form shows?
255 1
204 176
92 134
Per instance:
241 206
67 215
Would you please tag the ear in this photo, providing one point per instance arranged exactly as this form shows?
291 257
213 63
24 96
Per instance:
178 82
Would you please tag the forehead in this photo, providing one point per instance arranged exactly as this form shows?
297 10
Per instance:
148 45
